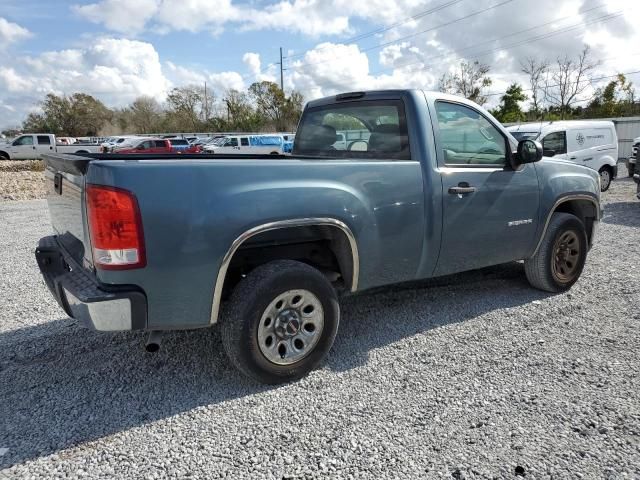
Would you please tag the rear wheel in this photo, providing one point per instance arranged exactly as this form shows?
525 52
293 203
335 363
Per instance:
631 169
280 322
605 178
559 261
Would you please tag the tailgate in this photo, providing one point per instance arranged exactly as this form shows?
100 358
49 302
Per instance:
64 176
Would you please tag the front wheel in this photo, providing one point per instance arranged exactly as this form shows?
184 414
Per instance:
280 322
605 178
559 261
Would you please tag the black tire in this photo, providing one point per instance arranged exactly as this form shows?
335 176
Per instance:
631 167
540 269
250 299
605 186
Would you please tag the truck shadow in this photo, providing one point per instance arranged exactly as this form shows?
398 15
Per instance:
64 386
626 214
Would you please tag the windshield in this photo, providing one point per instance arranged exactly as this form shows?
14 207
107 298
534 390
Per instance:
361 129
525 135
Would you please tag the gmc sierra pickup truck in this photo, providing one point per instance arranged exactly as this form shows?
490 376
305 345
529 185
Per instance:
263 245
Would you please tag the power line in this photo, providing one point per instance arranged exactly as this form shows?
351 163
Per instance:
385 44
519 43
389 27
563 30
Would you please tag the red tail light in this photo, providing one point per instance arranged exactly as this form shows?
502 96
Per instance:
115 227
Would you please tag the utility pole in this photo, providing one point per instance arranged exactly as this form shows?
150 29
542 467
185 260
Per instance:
281 72
206 104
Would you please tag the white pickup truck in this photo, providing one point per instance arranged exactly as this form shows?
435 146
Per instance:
34 145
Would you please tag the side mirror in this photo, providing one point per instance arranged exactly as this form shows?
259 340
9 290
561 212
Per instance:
140 147
547 152
529 151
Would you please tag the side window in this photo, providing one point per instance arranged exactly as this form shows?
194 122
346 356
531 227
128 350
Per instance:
233 142
468 138
159 143
244 141
555 142
26 140
145 145
44 140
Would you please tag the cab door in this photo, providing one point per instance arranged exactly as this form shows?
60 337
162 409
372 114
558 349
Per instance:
490 211
23 148
44 144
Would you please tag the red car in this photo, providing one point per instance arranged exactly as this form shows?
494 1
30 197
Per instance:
182 145
147 145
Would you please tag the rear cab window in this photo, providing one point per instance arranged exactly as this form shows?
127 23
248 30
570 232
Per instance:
375 129
44 140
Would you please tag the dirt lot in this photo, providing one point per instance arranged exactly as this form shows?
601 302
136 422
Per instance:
470 376
21 180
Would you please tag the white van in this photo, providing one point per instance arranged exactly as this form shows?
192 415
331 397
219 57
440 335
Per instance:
586 142
257 144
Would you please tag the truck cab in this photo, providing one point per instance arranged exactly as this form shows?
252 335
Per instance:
593 144
29 146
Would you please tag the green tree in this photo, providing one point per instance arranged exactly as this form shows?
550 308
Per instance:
281 112
616 99
240 113
509 109
469 82
77 115
144 115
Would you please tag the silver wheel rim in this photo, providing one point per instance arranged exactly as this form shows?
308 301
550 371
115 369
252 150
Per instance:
605 179
290 327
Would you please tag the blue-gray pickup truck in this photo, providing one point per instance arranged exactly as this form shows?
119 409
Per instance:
381 187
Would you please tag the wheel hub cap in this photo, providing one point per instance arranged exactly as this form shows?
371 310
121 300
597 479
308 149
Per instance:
290 327
287 324
566 257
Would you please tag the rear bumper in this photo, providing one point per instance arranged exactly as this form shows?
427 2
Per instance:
77 290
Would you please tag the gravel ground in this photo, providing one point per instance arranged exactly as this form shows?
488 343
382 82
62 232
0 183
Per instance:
471 376
21 180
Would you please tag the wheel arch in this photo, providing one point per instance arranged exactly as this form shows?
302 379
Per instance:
585 207
345 249
5 155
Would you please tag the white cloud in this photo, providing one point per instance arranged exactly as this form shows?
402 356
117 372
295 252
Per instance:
252 61
125 16
13 82
11 32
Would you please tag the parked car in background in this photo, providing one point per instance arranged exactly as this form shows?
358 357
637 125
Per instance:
591 143
440 187
182 145
34 145
111 143
257 144
632 162
147 145
636 175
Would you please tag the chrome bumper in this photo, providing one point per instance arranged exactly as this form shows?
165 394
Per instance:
100 307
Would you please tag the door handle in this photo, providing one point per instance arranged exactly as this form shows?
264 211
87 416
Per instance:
462 189
573 158
34 147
